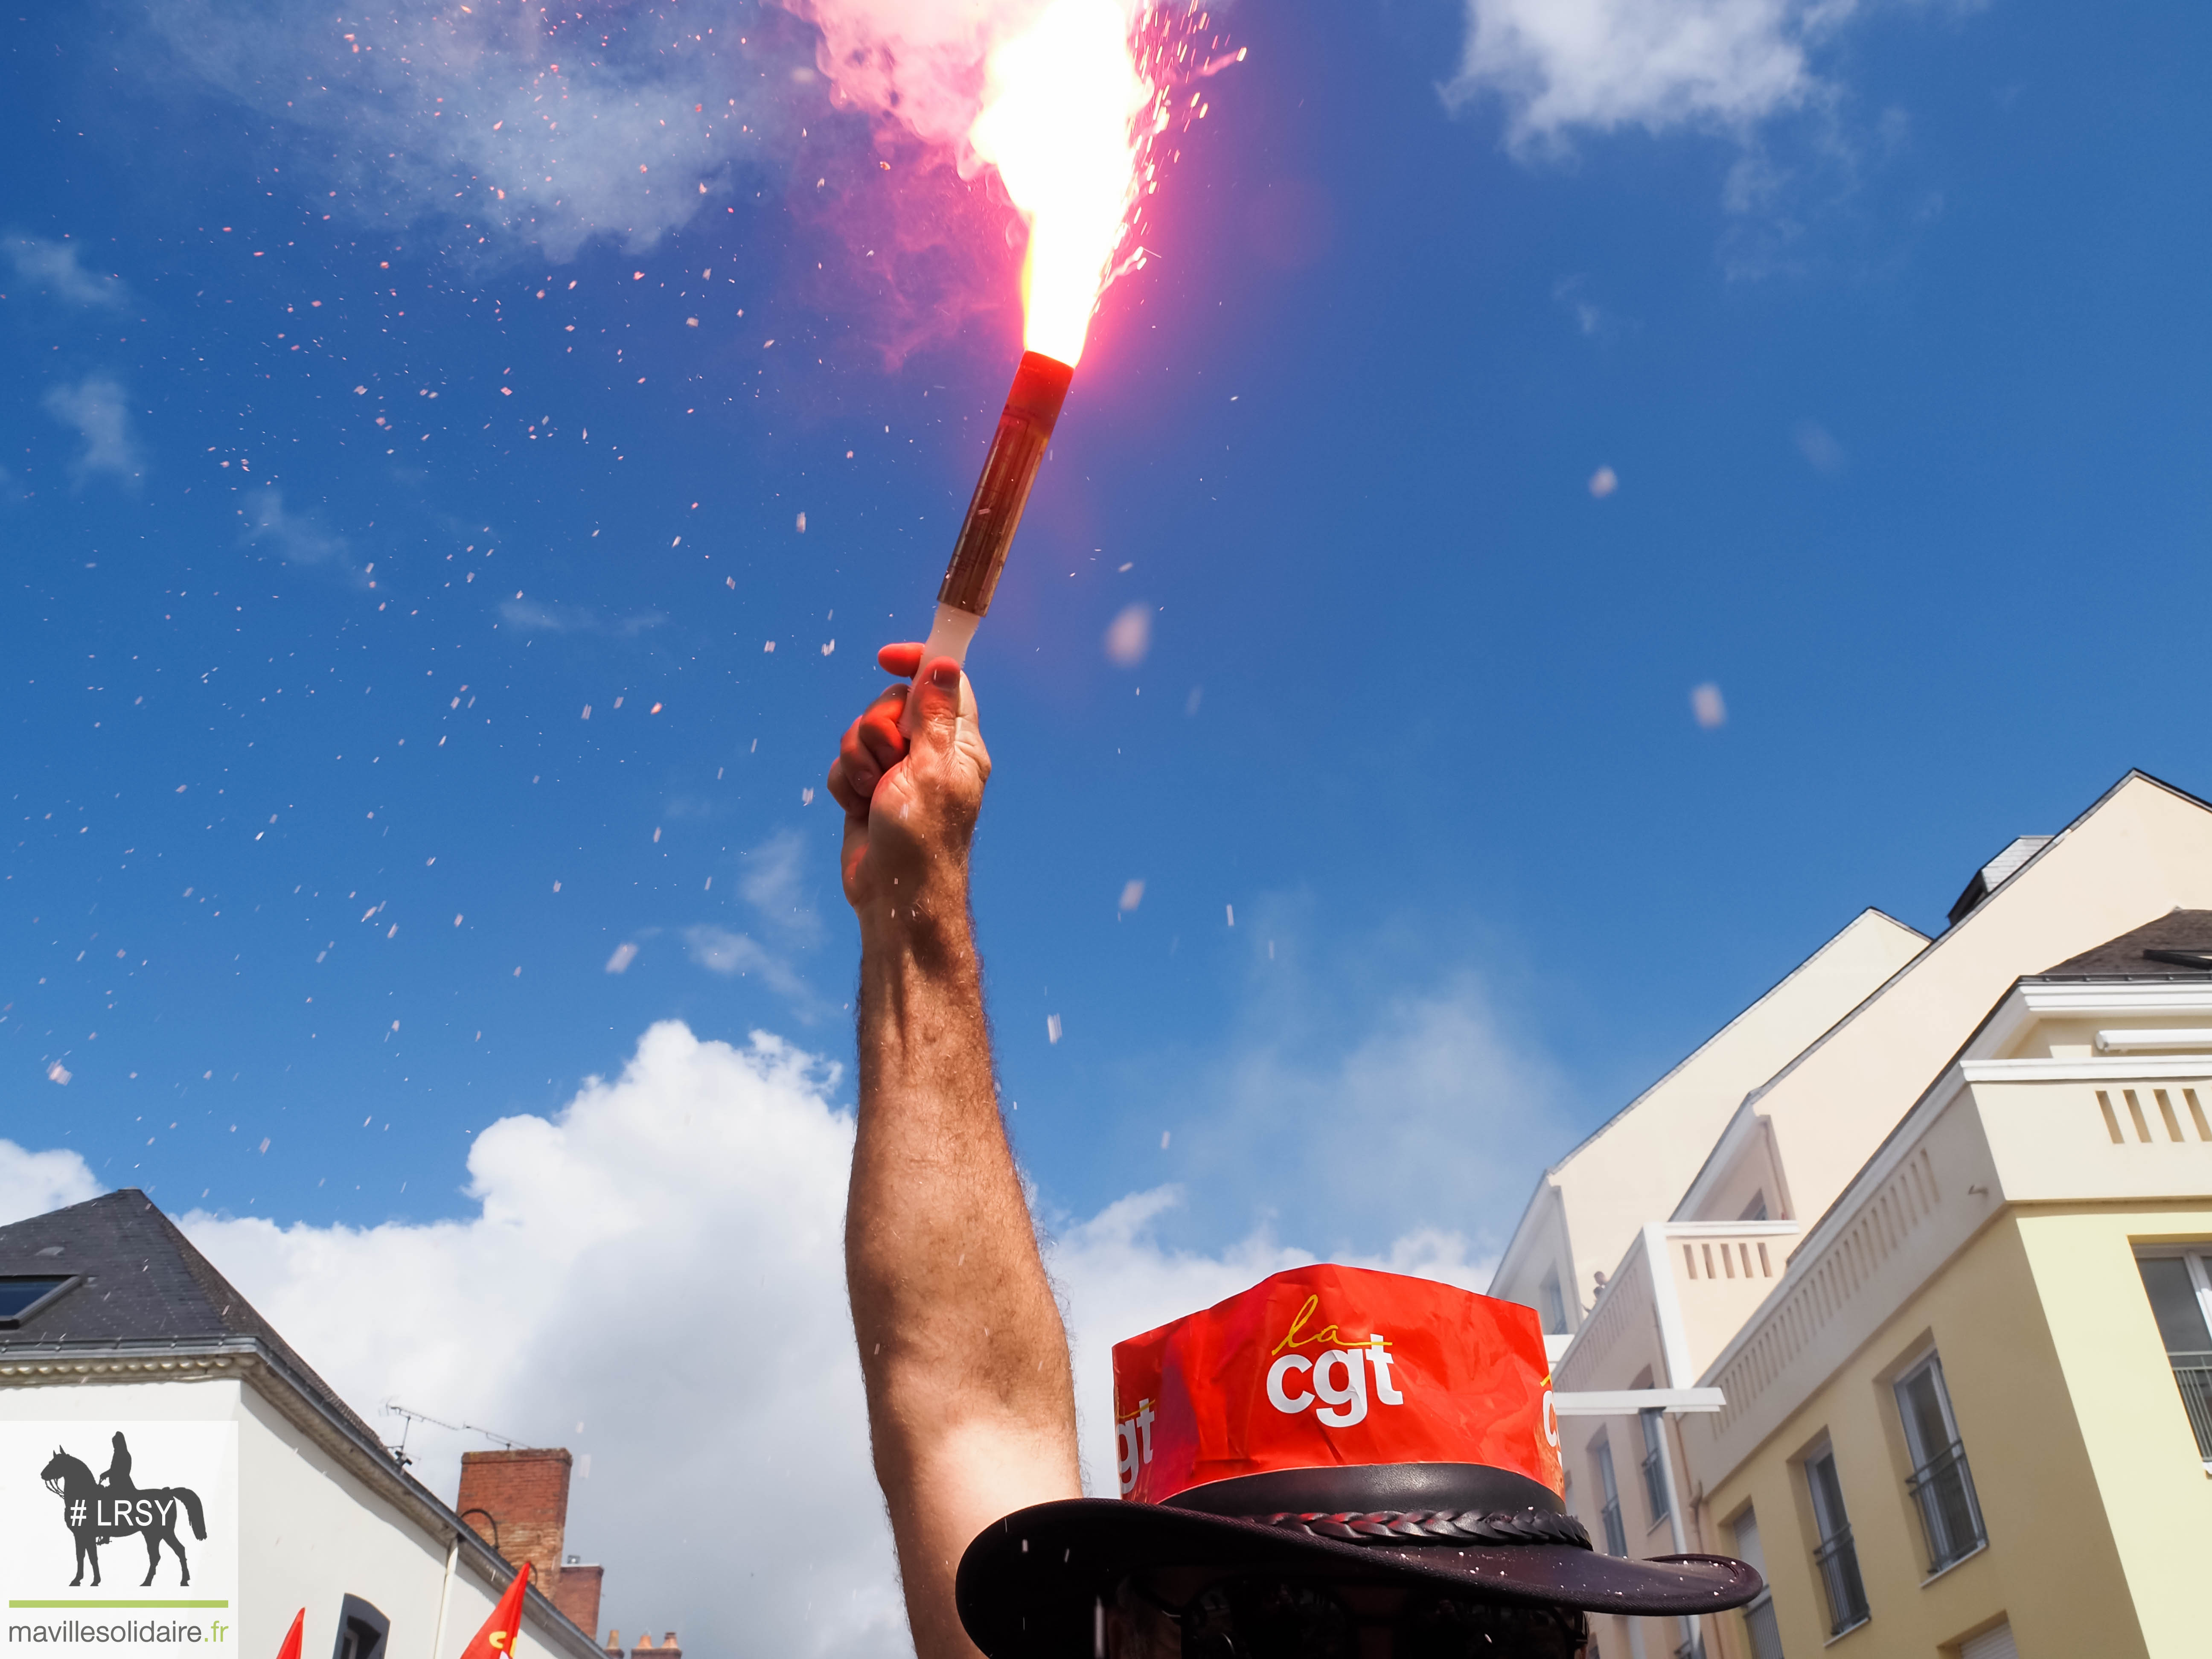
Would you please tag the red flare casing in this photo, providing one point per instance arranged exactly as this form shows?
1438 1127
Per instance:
996 511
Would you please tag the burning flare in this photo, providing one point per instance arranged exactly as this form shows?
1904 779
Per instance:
1071 108
1064 120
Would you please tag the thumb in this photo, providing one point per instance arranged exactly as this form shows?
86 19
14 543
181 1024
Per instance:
940 697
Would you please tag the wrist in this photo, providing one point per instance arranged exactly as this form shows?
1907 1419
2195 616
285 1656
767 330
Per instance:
920 923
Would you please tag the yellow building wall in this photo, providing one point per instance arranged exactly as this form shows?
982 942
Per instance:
2155 1495
2053 1565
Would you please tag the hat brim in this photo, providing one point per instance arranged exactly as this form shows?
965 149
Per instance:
1027 1585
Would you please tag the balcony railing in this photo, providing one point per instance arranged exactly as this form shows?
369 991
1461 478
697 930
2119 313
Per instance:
1950 1517
1655 1486
1764 1629
1838 1563
1616 1539
2192 1372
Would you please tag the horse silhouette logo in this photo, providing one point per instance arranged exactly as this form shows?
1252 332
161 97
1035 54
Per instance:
98 1509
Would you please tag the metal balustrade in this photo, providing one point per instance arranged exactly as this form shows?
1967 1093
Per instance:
2192 1374
1616 1538
1655 1485
1838 1562
1950 1516
1762 1626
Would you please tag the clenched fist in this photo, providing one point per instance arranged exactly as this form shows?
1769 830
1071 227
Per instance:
910 806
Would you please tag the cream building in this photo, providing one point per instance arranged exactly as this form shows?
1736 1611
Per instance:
1906 1243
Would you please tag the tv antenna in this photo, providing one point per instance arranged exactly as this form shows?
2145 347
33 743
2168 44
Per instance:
399 1455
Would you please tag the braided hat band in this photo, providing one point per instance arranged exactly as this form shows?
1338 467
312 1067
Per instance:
1530 1526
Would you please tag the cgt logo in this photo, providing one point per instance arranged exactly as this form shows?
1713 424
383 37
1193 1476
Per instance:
1133 1444
1334 1382
1339 1376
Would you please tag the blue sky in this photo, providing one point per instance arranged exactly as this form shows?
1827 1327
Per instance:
1887 322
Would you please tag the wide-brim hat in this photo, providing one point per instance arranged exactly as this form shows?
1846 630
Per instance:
1333 1422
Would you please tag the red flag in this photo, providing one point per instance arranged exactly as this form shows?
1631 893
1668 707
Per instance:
497 1638
292 1636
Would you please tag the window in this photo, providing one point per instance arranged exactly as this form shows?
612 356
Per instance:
23 1296
1616 1539
1837 1560
2181 1290
1553 1305
362 1631
1759 1622
1654 1467
1756 1210
1942 1486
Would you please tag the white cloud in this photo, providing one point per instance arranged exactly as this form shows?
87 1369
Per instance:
1820 448
1433 1115
295 536
54 267
663 1262
735 956
774 881
98 410
1558 65
489 124
532 617
31 1183
1595 321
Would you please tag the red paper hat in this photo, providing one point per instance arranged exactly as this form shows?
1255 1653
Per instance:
1331 1421
1324 1368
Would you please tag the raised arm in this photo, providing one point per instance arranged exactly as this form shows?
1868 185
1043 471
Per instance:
971 1404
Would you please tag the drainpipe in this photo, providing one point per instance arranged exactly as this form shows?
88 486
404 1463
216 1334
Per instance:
1655 1419
445 1592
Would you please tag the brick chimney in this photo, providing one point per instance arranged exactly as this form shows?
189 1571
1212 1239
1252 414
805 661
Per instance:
517 1502
576 1593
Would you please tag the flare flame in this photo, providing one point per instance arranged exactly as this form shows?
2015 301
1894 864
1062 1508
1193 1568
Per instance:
1067 111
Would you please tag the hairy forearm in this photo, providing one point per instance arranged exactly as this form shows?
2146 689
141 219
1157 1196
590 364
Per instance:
970 1403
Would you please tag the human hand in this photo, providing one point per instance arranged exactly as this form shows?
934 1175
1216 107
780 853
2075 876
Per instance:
910 806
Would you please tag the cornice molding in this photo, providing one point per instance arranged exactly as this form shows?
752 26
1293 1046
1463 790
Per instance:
2086 1068
2118 996
1769 1228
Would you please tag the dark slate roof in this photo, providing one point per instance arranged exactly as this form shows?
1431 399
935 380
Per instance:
145 1287
2176 946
